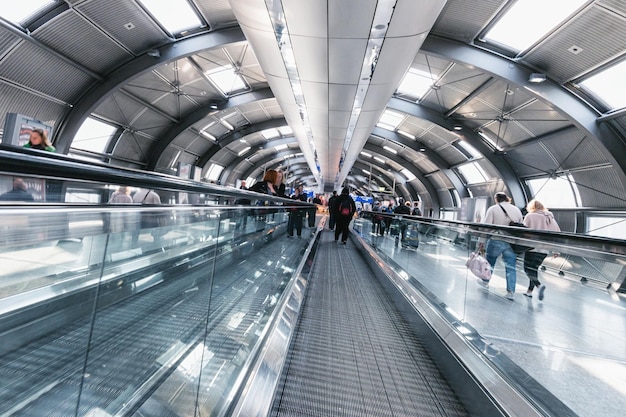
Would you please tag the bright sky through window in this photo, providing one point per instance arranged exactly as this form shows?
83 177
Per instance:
415 83
561 192
18 11
609 85
469 148
175 15
408 174
390 120
473 173
528 20
214 172
226 79
93 136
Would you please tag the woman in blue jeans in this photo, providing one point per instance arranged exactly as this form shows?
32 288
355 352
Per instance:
496 248
502 213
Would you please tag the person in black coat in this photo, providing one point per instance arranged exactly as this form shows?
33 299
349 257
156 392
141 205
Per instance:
344 210
18 193
296 215
406 210
331 210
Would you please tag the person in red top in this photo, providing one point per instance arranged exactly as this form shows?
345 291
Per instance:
539 218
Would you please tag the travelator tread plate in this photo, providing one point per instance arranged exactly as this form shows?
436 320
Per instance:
353 353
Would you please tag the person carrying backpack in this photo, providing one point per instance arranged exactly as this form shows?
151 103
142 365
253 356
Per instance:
344 209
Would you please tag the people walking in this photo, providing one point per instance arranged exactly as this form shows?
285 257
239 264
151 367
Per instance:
539 218
331 210
344 210
502 213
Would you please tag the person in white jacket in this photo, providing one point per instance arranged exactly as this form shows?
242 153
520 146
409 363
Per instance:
539 218
502 213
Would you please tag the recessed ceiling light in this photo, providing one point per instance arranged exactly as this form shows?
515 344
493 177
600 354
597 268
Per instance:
536 77
575 49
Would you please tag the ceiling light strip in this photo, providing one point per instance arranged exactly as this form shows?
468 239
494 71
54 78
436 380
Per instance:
378 31
279 23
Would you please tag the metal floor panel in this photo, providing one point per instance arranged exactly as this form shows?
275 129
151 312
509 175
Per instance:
353 353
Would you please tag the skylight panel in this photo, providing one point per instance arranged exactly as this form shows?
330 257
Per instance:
415 83
176 16
561 192
473 173
19 11
470 149
408 174
270 133
93 136
285 130
226 79
527 21
390 120
214 172
609 85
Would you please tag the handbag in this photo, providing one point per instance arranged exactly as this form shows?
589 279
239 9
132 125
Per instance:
478 265
518 249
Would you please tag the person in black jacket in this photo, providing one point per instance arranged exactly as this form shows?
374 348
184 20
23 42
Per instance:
344 210
406 210
296 215
331 210
18 193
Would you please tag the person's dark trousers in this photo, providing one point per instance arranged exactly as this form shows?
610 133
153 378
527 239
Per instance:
295 221
331 221
341 227
312 217
532 261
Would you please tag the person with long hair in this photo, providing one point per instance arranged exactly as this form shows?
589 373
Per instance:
539 218
268 184
39 140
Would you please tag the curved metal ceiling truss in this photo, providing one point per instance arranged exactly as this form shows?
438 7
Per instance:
575 109
201 113
238 134
582 116
100 91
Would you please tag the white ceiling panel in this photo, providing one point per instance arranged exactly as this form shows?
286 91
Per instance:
341 96
349 22
306 18
345 59
316 96
414 17
311 56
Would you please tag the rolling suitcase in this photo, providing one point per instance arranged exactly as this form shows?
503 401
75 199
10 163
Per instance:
411 238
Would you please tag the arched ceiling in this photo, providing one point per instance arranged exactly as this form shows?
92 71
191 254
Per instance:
83 59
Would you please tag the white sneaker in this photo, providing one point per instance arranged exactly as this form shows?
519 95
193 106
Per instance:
542 289
482 283
509 295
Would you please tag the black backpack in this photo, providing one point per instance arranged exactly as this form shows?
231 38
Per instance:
344 207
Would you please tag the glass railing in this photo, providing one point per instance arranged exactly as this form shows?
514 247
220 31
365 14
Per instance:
564 352
119 309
